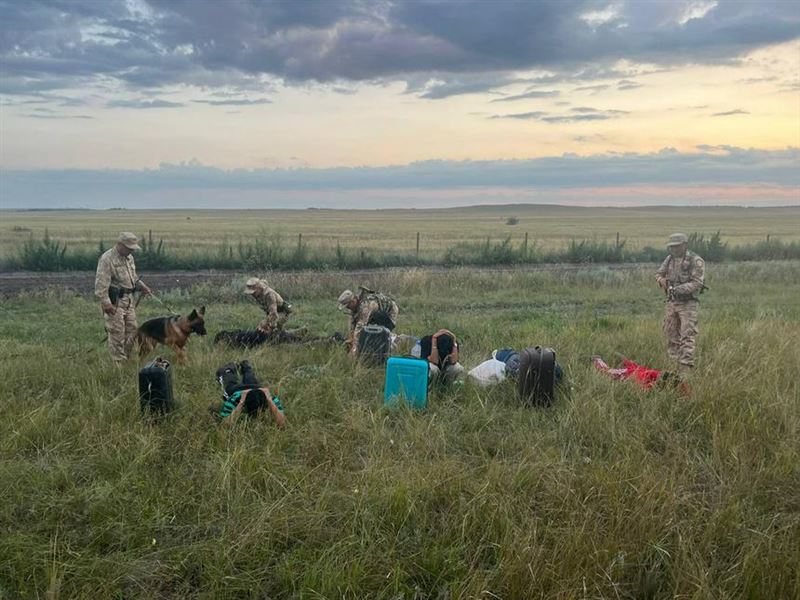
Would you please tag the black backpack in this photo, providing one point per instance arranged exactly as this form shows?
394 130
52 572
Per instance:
537 376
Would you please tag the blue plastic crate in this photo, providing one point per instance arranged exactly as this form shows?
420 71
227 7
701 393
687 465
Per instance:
406 379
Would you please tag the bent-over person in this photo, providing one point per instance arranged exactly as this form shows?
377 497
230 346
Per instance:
367 308
276 309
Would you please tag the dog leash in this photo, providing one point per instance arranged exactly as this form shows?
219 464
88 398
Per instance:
162 303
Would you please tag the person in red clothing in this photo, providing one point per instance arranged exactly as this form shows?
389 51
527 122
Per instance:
644 376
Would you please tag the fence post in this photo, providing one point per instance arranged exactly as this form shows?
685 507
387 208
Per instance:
525 246
617 244
768 238
299 242
418 245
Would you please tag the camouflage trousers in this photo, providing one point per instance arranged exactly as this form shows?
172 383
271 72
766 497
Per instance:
121 329
680 328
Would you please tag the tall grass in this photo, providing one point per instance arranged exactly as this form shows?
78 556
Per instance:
275 253
614 492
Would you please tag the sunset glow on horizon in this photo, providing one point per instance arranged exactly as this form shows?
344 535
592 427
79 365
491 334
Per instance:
149 84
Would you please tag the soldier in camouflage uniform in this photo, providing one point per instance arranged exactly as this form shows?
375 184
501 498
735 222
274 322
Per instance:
681 276
367 308
277 310
114 285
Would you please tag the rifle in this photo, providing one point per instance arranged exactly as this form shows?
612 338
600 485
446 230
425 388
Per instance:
670 291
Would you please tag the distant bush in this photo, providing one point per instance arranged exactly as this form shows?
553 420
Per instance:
512 221
712 249
272 253
765 250
48 254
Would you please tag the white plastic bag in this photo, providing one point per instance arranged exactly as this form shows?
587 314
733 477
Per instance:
489 372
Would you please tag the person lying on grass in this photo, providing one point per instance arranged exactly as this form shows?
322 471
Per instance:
247 396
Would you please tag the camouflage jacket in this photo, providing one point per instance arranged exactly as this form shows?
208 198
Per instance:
371 303
114 269
687 275
270 301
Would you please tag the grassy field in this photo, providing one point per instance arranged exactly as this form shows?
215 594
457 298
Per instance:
614 492
548 227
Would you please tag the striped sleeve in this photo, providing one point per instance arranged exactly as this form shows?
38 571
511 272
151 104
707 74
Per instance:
230 404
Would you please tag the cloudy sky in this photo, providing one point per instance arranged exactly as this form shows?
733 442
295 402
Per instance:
235 103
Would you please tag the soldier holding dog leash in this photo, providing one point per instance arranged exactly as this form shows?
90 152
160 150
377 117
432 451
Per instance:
115 283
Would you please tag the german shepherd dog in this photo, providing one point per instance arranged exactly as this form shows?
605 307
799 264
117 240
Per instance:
171 331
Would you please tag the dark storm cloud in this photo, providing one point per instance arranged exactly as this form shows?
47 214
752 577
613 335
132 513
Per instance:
457 85
530 94
592 88
577 118
584 113
627 84
729 113
711 165
145 104
60 44
526 116
47 116
235 102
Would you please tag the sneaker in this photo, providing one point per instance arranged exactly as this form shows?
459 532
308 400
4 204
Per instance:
229 368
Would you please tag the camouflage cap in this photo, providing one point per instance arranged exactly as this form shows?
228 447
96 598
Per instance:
676 239
129 240
252 285
345 298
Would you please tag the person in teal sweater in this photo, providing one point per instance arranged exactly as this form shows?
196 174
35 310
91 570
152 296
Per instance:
247 395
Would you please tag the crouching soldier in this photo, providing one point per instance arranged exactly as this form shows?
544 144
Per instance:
247 396
277 310
367 308
441 351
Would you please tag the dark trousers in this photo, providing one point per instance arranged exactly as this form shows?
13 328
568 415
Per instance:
231 382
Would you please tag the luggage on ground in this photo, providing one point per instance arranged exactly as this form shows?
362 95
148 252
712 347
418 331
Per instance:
406 379
537 376
155 387
373 345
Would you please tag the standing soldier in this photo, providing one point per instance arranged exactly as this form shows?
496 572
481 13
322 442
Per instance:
276 308
368 308
114 285
681 276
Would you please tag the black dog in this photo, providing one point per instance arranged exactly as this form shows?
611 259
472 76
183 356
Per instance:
252 338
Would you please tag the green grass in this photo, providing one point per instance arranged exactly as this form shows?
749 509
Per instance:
49 254
614 492
393 232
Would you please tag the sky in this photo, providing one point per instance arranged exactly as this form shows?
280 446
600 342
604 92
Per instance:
384 103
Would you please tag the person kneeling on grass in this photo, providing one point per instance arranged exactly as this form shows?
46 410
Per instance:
441 352
247 395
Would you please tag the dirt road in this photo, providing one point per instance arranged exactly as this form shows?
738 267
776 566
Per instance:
82 282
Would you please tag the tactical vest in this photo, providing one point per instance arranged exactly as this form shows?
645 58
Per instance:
384 303
684 271
685 268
